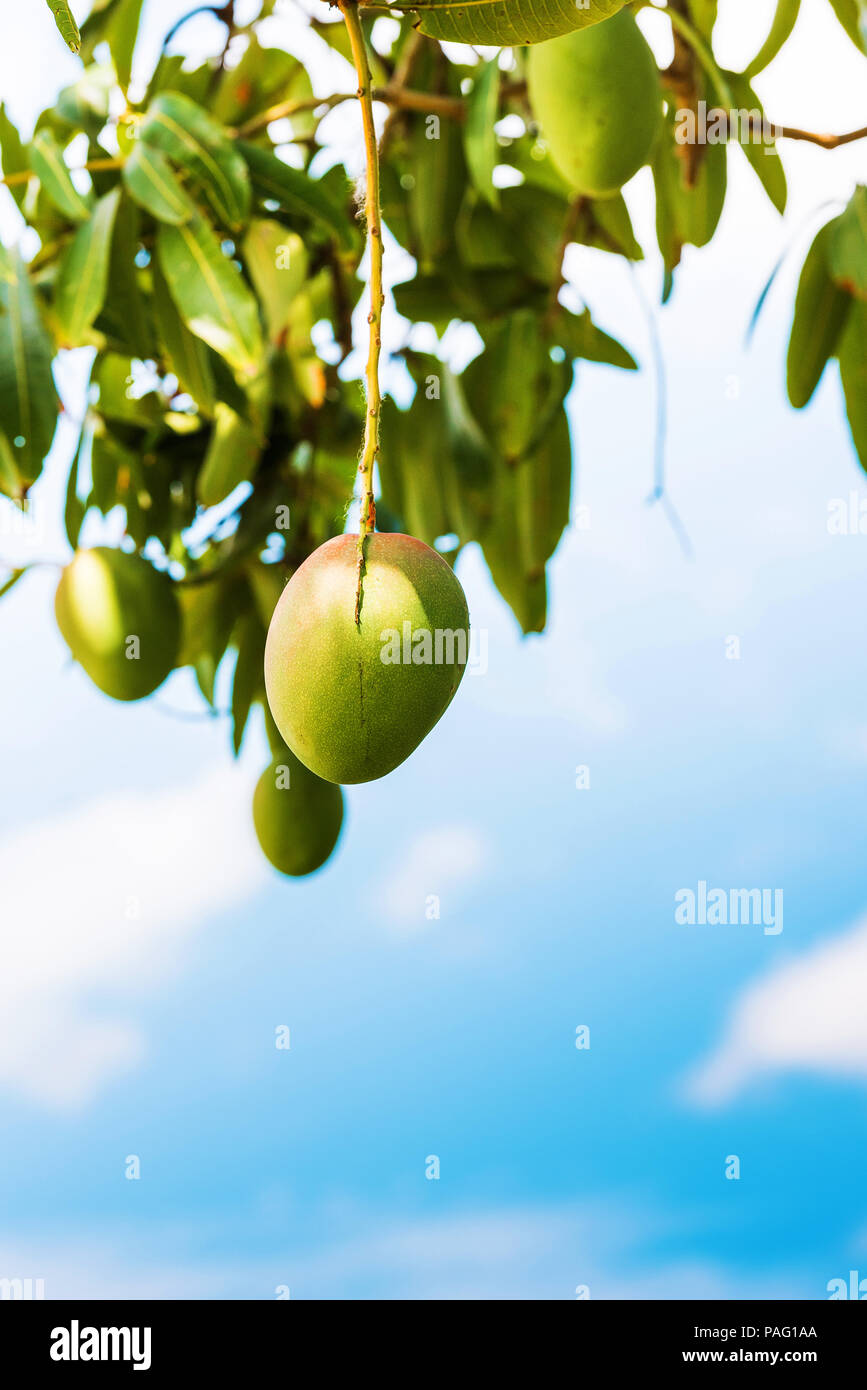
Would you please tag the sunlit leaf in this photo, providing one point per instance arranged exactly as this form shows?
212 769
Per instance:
83 275
181 129
47 162
152 182
504 22
28 400
821 309
212 296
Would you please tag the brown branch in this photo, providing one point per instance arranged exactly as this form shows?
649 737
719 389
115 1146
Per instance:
23 175
401 98
827 142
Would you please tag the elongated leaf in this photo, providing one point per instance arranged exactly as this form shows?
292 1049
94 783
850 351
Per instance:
249 680
436 467
480 139
296 191
847 253
232 456
47 162
124 316
852 14
65 21
83 274
439 175
686 215
13 155
513 388
12 580
212 296
853 372
153 183
531 512
28 401
785 17
277 263
821 309
760 151
263 77
186 354
504 22
74 509
578 334
115 22
181 129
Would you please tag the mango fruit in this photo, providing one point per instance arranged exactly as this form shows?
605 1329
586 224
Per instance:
120 619
596 95
352 702
297 816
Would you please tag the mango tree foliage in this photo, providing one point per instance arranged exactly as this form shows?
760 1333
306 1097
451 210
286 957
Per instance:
191 231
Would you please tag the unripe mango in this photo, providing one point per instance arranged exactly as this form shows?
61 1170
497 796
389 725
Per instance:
353 702
120 619
297 816
596 96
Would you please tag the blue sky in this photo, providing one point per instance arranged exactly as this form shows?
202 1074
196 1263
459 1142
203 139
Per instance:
150 953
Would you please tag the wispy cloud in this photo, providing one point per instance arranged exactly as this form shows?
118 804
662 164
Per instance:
97 903
807 1015
430 874
523 1252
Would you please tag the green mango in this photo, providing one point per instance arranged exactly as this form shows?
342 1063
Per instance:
353 702
297 816
120 619
596 96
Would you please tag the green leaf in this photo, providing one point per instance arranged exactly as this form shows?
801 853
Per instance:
211 294
480 138
503 23
761 154
47 162
821 309
847 255
437 169
124 317
28 400
181 129
187 355
115 22
436 466
249 680
151 181
74 509
532 503
514 387
232 457
297 192
785 17
83 273
578 334
263 77
65 21
113 375
13 155
853 373
686 215
12 580
277 263
852 14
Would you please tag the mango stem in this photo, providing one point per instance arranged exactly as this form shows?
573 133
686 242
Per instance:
373 214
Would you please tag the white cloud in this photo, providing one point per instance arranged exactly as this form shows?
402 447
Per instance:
522 1252
97 902
438 863
807 1015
